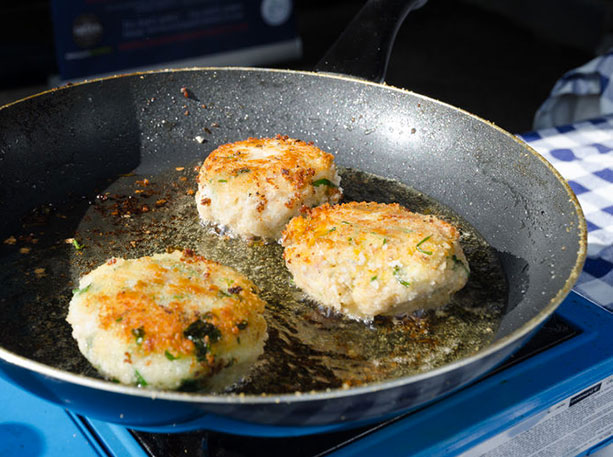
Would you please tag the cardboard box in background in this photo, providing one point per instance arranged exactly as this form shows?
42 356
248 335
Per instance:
98 37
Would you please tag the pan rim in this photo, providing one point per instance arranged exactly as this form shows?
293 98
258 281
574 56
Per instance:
494 347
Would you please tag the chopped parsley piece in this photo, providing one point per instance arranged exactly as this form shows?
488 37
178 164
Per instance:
242 325
76 245
199 329
332 229
242 170
374 278
397 273
139 379
190 385
201 351
222 180
169 356
139 334
384 240
422 242
323 182
80 291
345 222
202 334
458 262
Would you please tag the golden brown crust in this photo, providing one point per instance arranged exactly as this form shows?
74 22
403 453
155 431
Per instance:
233 158
356 223
297 165
160 305
366 258
168 319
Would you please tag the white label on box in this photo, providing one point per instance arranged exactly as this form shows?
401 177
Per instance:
566 429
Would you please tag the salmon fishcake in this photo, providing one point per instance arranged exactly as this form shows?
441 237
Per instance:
168 321
254 187
368 259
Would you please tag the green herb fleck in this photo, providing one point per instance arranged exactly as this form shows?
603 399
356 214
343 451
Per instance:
139 334
169 356
76 245
332 230
119 319
223 293
242 325
140 381
190 385
384 240
202 349
422 242
199 329
222 180
374 278
459 263
397 273
323 182
80 291
202 334
345 222
242 170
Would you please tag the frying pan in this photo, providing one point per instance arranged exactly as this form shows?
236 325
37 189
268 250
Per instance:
68 142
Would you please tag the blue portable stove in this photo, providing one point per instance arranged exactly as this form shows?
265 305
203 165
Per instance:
552 398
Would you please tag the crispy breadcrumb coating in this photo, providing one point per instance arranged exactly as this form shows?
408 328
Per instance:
167 320
254 187
368 259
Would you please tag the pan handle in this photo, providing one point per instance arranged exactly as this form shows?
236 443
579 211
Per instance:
364 47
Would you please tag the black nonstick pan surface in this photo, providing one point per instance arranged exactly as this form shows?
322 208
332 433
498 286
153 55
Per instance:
71 160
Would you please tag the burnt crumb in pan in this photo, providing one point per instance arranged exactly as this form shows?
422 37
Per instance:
307 349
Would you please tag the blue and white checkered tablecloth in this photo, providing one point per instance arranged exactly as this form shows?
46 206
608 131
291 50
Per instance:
583 154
